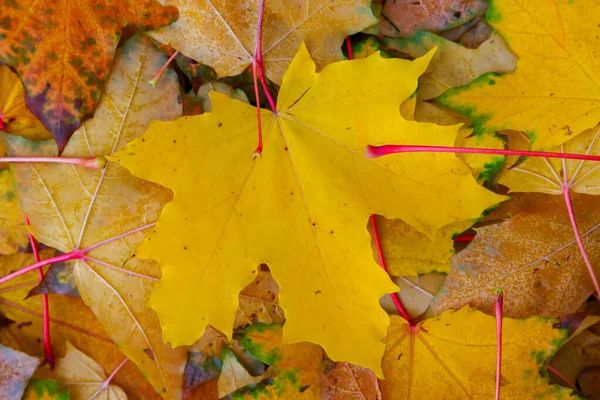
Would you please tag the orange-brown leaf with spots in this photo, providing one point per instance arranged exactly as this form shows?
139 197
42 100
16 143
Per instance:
62 51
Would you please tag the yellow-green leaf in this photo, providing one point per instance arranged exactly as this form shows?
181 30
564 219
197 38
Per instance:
554 92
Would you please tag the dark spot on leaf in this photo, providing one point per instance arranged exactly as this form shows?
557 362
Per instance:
149 353
24 324
318 292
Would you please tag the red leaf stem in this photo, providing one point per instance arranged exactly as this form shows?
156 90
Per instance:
562 377
378 151
108 380
48 352
161 71
259 55
94 162
498 309
73 255
464 238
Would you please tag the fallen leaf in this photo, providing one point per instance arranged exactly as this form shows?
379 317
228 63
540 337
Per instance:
259 302
416 293
73 208
408 252
58 279
405 17
302 226
15 370
553 94
70 320
202 94
343 381
84 377
14 114
532 256
547 175
45 389
296 367
62 52
581 352
13 232
589 382
222 34
458 348
453 65
234 376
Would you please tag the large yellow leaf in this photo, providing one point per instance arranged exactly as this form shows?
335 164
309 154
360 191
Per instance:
62 51
303 208
72 208
458 350
70 320
84 377
547 175
532 256
222 33
555 91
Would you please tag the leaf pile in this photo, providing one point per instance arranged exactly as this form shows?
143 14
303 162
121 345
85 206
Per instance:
196 265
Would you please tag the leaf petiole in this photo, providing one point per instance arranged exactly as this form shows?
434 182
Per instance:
498 309
94 162
73 255
378 151
161 71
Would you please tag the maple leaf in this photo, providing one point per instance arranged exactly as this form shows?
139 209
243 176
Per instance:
416 293
258 302
62 52
408 252
297 366
84 377
70 319
73 208
45 389
222 33
453 65
554 93
302 209
13 232
458 348
533 256
343 381
539 174
405 17
15 370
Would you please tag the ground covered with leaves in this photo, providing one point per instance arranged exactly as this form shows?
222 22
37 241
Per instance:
266 199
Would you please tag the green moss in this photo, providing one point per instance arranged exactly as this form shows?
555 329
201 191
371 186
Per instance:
493 13
256 349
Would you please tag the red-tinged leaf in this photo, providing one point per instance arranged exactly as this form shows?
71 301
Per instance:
15 370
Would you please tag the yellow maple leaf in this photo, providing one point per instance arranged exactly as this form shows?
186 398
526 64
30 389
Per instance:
222 34
70 319
302 209
84 377
458 348
548 175
554 92
72 208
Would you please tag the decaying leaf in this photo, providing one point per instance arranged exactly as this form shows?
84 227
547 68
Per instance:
296 367
63 52
301 207
84 377
58 279
554 92
259 302
343 381
538 174
222 33
45 389
234 376
458 348
15 370
405 17
72 208
533 256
